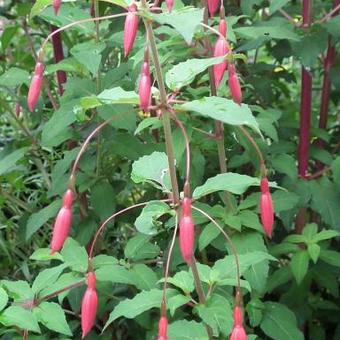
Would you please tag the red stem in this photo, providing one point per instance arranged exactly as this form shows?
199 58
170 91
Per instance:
58 56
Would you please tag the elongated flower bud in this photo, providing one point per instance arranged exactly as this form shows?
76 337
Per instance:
238 333
238 316
186 232
213 6
162 328
169 5
234 85
56 6
89 305
35 86
221 49
62 222
266 208
145 87
130 29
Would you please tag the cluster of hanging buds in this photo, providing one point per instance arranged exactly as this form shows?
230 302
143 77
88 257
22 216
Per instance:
130 28
238 332
234 84
35 86
213 6
221 49
56 6
144 89
186 232
89 305
266 208
162 328
62 222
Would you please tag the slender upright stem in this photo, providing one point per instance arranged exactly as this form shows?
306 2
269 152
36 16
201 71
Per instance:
165 114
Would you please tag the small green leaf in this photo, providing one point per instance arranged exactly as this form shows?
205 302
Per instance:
314 251
103 260
75 256
39 6
331 257
115 274
47 277
44 254
144 277
3 298
18 290
176 302
187 330
309 231
299 265
151 122
184 281
10 160
325 235
139 248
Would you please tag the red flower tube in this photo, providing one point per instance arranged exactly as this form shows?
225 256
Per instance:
162 328
130 29
89 305
145 87
213 6
266 208
35 86
234 85
186 232
62 222
238 333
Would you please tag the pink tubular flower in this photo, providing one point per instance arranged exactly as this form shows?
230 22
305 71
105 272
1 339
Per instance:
130 29
62 222
234 85
162 328
145 87
238 333
221 49
186 232
266 208
213 6
56 6
89 305
169 5
238 316
35 86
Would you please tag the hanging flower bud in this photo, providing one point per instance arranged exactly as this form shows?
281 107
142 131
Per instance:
130 29
238 333
213 6
234 85
266 208
35 86
62 222
169 5
238 316
162 328
221 49
56 6
89 305
186 232
145 87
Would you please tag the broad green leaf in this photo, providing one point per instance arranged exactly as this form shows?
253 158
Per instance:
152 169
331 257
130 308
18 290
52 316
14 77
39 6
103 260
19 317
176 302
285 164
299 265
185 21
144 277
47 277
325 235
44 254
139 248
38 219
255 312
3 298
332 26
10 160
146 222
296 238
75 256
314 252
184 281
187 330
185 72
115 274
310 230
209 233
284 200
216 313
151 122
222 109
268 32
279 323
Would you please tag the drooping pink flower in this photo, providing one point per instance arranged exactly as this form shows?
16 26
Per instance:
89 305
130 29
266 208
162 328
213 6
62 222
186 232
234 85
145 87
56 6
238 333
35 86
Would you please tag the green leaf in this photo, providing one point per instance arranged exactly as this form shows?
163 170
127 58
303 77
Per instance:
209 233
146 222
184 281
279 323
285 164
52 316
39 6
139 248
268 32
47 277
184 73
9 161
299 265
296 238
44 254
255 312
187 330
75 256
14 77
19 317
284 200
103 260
120 3
153 122
185 21
144 277
115 274
331 257
176 302
224 110
103 199
336 170
3 299
279 277
152 169
332 26
37 220
216 313
275 5
325 235
314 252
18 290
130 308
309 231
